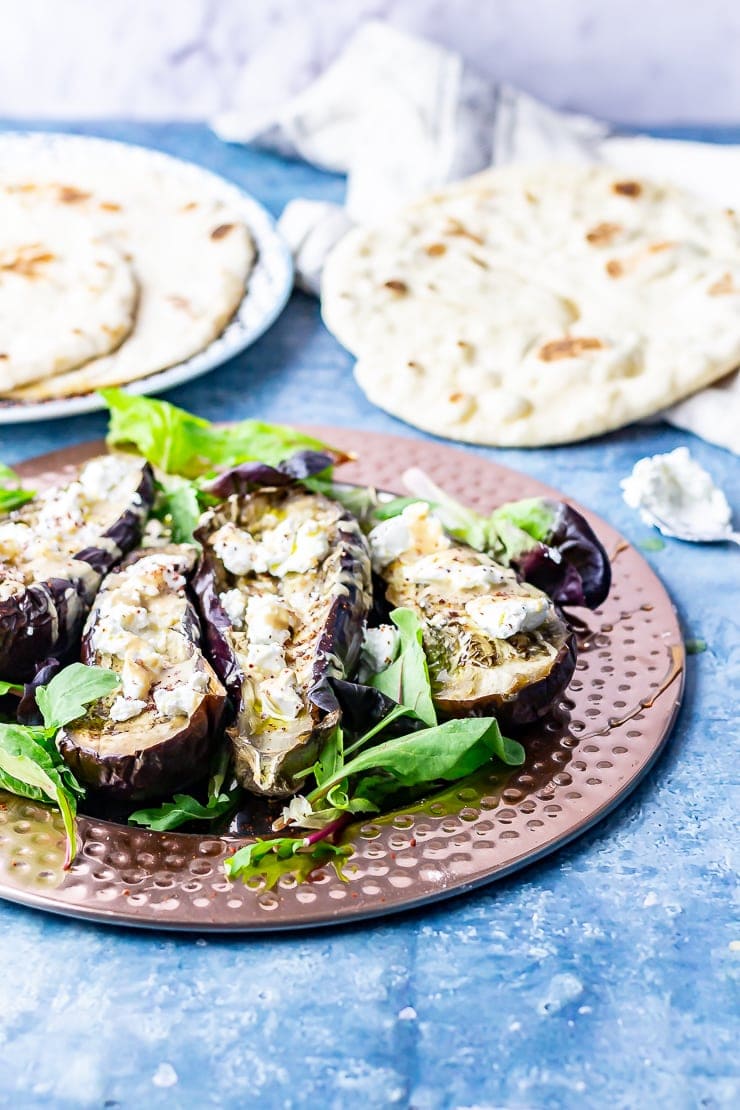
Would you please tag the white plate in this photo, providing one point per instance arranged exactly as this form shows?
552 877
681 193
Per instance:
270 281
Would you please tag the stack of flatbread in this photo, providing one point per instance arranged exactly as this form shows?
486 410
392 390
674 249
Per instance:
537 305
111 269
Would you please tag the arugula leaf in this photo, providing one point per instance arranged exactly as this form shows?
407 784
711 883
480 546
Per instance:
406 680
448 751
372 792
184 807
328 764
11 688
220 765
66 697
269 859
31 767
12 496
179 442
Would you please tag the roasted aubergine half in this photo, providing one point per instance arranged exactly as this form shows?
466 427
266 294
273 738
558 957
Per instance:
154 734
284 590
54 552
493 644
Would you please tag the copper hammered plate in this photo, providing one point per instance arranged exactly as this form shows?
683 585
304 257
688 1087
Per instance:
605 735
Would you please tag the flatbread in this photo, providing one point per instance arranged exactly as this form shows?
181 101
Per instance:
191 256
538 305
65 296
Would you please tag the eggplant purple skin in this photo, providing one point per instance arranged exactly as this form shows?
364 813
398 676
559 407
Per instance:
583 575
363 706
215 624
339 640
46 618
28 712
240 481
172 765
251 476
341 635
529 704
156 772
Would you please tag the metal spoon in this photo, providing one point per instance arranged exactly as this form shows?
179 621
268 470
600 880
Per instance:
682 532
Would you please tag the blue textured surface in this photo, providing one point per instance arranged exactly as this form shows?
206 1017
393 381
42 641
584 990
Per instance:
604 975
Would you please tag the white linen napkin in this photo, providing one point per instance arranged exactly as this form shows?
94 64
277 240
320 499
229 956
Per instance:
400 115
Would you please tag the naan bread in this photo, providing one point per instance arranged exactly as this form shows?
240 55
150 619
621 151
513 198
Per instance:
191 256
538 305
65 295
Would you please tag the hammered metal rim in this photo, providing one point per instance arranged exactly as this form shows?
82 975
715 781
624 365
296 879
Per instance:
609 729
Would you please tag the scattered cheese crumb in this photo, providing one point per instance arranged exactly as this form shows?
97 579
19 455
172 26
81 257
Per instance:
165 1076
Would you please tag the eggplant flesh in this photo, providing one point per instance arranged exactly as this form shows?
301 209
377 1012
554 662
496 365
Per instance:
284 590
493 643
154 734
54 552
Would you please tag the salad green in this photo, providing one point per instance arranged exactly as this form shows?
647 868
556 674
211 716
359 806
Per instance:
30 765
354 778
404 755
189 446
188 449
406 680
184 808
12 495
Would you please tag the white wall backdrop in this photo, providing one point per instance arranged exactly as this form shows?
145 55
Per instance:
626 60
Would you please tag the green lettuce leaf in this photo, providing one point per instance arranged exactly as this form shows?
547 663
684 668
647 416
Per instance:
179 505
361 501
517 526
70 691
463 523
180 443
532 515
507 532
12 496
406 680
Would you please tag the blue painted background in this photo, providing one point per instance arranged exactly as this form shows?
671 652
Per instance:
605 975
